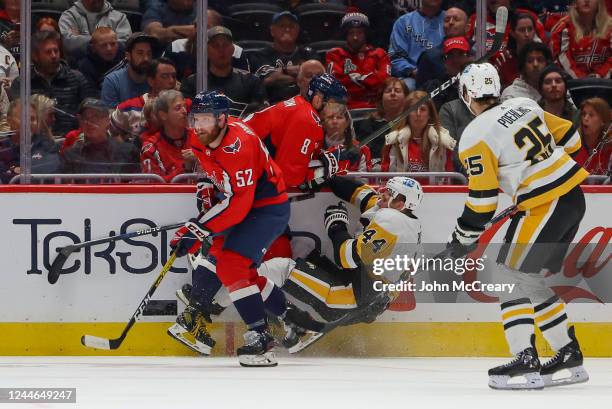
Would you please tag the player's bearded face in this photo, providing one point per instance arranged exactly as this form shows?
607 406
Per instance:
206 126
383 198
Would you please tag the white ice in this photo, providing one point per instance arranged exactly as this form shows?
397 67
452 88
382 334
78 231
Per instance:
212 383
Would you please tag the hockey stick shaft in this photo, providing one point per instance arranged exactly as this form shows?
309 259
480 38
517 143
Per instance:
65 252
104 343
501 19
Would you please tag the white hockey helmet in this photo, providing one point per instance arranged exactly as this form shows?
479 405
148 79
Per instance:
479 81
409 188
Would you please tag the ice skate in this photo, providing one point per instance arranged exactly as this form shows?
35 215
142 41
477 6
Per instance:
567 359
296 338
190 329
258 349
525 365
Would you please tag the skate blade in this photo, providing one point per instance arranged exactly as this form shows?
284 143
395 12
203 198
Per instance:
177 332
501 382
303 344
182 297
577 375
251 361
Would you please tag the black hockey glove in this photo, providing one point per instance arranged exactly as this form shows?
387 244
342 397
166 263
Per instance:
336 216
329 167
462 241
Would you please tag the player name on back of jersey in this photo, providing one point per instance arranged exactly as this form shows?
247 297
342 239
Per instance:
512 115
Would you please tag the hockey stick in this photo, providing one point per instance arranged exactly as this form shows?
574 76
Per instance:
91 341
312 325
501 19
65 252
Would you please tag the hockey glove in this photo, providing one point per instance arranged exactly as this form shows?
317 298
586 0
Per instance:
336 216
329 167
205 195
188 239
462 241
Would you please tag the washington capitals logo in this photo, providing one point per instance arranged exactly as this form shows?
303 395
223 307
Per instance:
233 148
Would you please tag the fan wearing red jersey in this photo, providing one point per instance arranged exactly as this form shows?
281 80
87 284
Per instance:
293 133
251 211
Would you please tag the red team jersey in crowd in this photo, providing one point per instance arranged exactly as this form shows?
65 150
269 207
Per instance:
372 65
162 156
293 133
243 171
540 33
580 58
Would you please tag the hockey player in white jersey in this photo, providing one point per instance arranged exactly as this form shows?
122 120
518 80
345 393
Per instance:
526 152
327 291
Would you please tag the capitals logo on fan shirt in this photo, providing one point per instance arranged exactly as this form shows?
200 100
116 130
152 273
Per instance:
233 148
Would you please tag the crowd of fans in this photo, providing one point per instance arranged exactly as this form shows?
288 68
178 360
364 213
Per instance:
111 87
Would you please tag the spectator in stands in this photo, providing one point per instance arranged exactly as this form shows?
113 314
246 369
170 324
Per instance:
152 122
184 52
245 89
131 80
104 53
382 15
551 11
45 152
8 67
45 113
389 105
95 151
360 67
308 69
278 66
553 88
532 60
420 144
170 20
455 117
581 41
492 6
522 32
52 77
413 33
78 23
456 51
430 64
596 151
10 18
340 139
167 153
47 24
128 119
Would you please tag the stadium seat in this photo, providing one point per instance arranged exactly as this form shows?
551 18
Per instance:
322 47
253 45
49 8
251 21
131 8
321 22
584 88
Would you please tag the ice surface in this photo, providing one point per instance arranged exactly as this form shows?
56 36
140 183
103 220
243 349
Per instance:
211 383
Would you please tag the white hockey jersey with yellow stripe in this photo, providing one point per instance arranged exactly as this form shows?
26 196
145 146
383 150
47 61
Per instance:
520 148
389 233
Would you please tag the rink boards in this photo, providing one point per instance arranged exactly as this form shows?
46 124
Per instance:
106 283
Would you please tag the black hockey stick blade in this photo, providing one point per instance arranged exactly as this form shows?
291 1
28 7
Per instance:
58 263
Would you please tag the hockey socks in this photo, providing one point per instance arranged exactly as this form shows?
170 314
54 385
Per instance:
517 317
552 321
205 282
273 297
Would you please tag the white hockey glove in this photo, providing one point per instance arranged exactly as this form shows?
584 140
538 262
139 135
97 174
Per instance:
463 241
336 216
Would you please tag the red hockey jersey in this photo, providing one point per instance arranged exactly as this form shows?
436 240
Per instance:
293 133
581 58
162 156
362 74
244 173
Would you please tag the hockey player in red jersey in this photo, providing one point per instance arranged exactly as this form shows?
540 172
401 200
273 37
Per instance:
359 66
249 210
293 133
